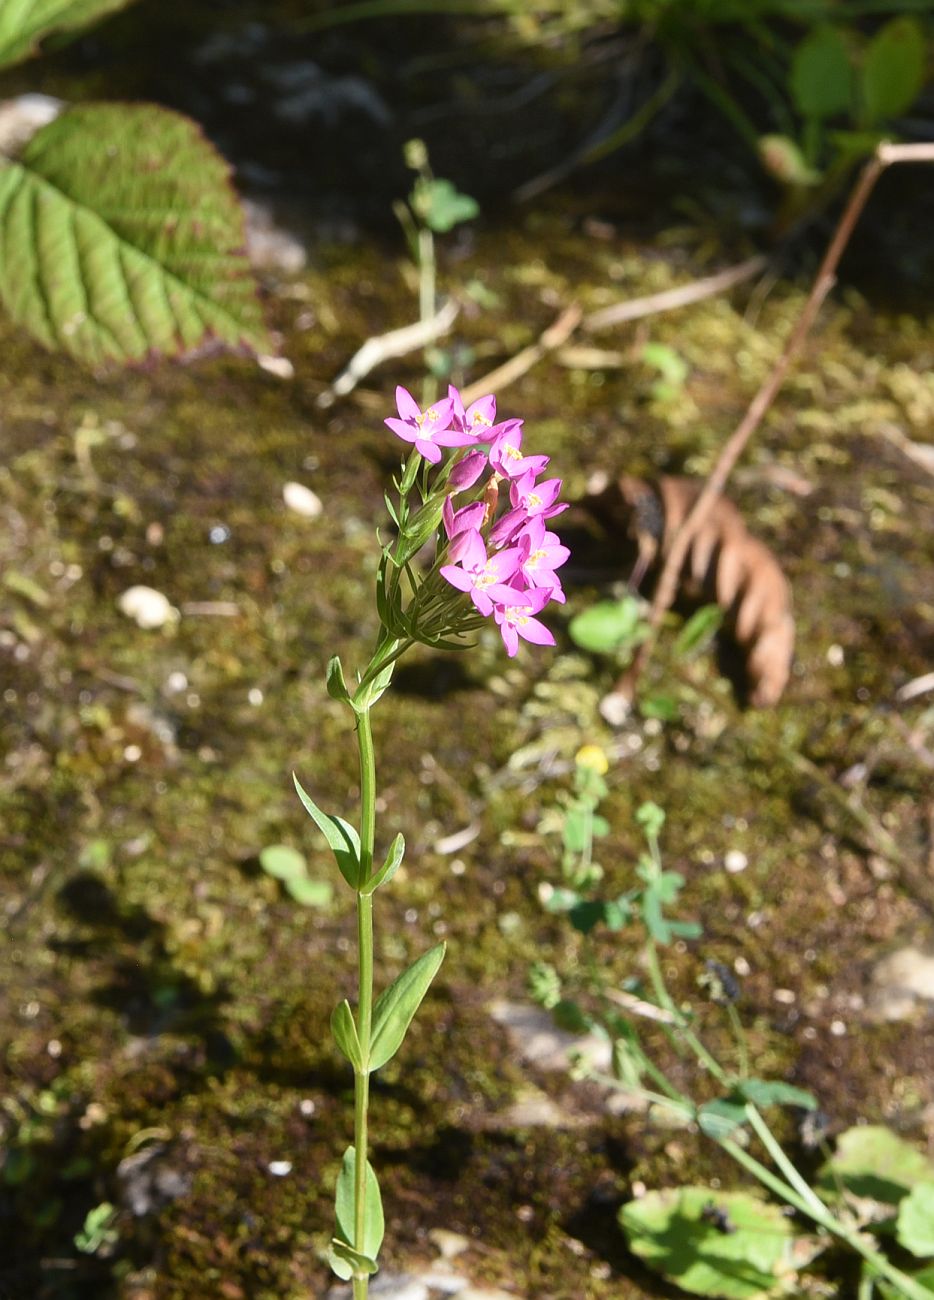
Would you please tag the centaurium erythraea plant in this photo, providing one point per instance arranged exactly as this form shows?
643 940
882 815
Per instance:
470 548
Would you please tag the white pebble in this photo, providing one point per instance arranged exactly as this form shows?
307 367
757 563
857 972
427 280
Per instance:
147 607
835 656
736 861
302 500
281 367
279 1168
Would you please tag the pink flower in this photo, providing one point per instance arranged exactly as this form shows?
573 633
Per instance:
529 499
514 612
476 571
506 456
541 553
478 417
429 430
459 521
466 472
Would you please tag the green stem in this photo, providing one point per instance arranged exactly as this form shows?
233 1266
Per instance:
365 998
680 1029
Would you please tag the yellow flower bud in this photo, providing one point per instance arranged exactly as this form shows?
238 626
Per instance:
592 757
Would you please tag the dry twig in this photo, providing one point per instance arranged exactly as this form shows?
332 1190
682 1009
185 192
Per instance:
681 296
523 361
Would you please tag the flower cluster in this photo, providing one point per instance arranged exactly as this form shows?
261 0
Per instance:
505 560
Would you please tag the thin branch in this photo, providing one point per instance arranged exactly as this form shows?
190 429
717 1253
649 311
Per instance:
681 296
513 369
885 155
383 347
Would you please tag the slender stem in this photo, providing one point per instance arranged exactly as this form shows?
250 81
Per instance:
739 1037
365 998
681 1029
774 1148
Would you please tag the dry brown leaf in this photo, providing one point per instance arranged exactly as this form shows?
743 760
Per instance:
724 562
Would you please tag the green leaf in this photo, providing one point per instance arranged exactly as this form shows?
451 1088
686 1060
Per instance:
651 818
441 206
783 159
609 625
711 1243
395 1007
663 707
121 239
337 687
345 1261
821 75
389 868
24 25
718 1119
373 1225
699 630
310 893
577 829
344 1029
772 1092
915 1226
871 1161
365 698
340 835
283 862
893 69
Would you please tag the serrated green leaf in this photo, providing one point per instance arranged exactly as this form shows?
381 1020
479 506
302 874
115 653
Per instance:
310 893
340 835
821 75
773 1092
711 1243
718 1119
893 69
122 240
282 861
336 686
373 1224
915 1225
26 24
871 1161
351 1261
344 1029
389 868
395 1007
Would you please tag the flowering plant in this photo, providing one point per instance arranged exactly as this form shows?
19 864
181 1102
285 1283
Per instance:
471 544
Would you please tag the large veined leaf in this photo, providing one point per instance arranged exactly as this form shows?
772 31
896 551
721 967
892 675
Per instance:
121 239
24 24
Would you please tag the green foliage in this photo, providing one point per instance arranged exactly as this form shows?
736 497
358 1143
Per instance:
914 1227
873 1162
121 239
893 70
342 838
389 868
610 627
98 1231
698 631
711 1243
672 368
395 1007
344 1029
289 866
25 24
821 76
343 1262
441 206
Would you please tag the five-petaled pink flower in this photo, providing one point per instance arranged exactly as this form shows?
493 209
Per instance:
541 553
476 571
430 429
514 614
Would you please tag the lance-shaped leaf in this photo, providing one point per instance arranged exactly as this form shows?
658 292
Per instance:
373 1225
337 687
395 1008
344 1029
24 24
389 867
121 239
340 835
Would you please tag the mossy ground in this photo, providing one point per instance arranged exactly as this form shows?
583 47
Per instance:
161 992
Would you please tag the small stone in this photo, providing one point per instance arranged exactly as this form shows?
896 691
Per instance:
281 367
448 1244
302 500
446 1283
534 1035
147 607
279 1168
903 984
735 861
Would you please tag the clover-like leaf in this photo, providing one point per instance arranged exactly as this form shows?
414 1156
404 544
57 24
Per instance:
121 239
